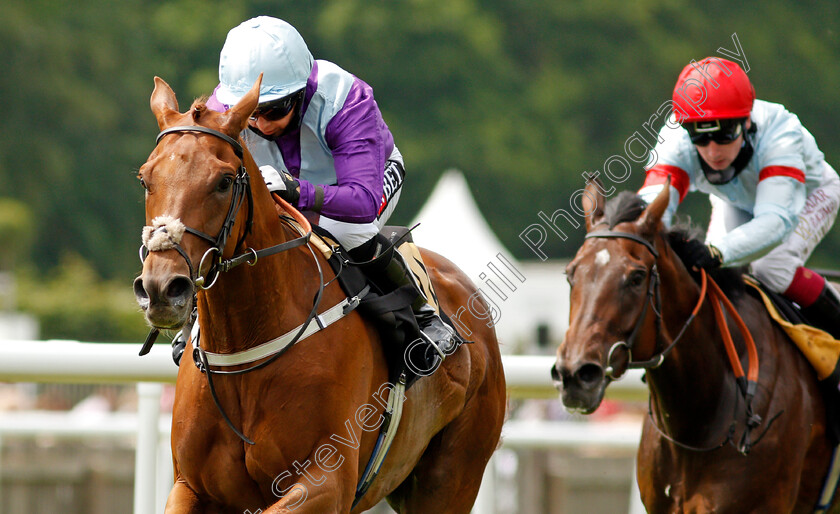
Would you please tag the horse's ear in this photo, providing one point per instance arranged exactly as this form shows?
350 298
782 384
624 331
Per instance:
236 118
593 201
648 222
163 102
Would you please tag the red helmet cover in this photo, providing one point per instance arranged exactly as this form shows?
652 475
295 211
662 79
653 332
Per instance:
713 88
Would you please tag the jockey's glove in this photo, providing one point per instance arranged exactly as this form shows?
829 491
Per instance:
287 186
291 189
701 256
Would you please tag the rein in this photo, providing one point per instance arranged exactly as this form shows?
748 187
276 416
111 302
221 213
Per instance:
747 385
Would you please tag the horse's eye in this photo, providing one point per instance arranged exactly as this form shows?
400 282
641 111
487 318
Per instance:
143 183
636 278
225 183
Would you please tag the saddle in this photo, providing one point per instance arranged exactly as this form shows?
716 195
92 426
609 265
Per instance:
391 311
820 349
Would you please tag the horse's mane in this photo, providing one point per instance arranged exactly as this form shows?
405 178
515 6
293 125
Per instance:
628 206
729 279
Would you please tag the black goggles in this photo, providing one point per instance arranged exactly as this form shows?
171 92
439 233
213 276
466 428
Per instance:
721 132
277 109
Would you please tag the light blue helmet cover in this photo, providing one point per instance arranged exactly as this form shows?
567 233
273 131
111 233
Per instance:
263 45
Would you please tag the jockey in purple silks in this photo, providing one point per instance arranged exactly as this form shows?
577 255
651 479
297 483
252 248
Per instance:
320 142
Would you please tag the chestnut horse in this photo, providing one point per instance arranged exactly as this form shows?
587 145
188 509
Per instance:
632 304
310 412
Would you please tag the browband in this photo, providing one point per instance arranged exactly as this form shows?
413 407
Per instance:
237 148
610 234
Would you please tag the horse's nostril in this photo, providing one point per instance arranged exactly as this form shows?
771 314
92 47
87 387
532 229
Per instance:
555 374
179 289
140 293
590 374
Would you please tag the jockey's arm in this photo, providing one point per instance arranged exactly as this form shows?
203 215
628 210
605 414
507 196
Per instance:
352 199
359 142
779 200
655 181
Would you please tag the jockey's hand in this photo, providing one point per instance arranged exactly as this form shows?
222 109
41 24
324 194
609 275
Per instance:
287 186
291 189
702 256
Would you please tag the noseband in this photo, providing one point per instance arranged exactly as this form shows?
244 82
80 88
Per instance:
654 299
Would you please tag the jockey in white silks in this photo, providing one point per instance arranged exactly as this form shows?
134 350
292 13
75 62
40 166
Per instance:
773 195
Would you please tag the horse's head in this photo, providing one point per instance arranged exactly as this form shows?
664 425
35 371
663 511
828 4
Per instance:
196 183
613 279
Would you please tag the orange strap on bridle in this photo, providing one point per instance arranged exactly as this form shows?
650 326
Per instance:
747 385
719 298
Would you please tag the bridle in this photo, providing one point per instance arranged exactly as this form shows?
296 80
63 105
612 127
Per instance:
241 191
654 301
747 383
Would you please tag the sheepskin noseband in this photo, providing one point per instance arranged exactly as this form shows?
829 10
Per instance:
164 233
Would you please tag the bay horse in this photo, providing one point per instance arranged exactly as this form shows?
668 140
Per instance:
634 304
309 412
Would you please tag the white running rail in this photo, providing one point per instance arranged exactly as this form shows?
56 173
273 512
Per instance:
78 362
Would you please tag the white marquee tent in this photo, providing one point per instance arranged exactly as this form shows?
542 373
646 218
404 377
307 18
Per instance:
525 294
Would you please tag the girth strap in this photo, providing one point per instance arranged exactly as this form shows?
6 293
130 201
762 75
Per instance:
387 433
830 484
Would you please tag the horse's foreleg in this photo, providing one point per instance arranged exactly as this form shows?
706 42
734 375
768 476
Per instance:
304 497
182 500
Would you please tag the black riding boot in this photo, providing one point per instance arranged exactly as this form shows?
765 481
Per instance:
824 313
391 272
438 334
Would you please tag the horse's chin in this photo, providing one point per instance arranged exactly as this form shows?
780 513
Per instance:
167 318
578 401
576 410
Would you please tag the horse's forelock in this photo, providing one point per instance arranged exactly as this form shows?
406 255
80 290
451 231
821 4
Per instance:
198 108
626 206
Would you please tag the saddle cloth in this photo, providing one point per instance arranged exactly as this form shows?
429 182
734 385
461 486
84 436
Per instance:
820 349
818 346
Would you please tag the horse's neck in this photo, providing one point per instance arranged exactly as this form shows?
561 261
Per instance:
250 305
695 381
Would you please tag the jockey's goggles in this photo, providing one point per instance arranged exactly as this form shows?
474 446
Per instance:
278 109
721 132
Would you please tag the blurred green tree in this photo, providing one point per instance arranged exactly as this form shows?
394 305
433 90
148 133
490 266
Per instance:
73 302
16 233
521 96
